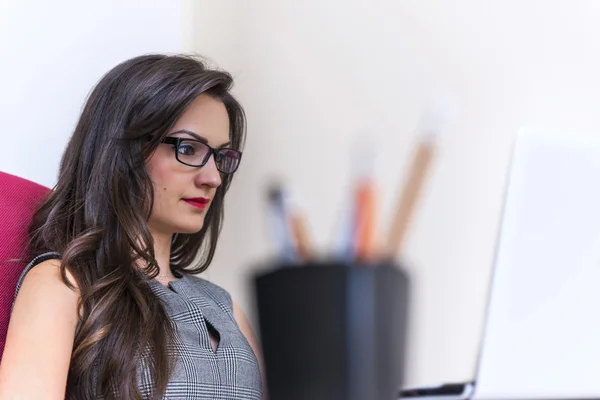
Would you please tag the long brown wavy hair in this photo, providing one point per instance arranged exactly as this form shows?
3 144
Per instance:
96 219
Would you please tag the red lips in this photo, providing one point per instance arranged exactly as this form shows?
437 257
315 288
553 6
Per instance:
198 202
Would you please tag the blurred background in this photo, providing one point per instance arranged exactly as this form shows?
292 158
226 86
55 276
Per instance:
317 77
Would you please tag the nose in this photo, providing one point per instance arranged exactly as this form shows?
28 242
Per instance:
209 175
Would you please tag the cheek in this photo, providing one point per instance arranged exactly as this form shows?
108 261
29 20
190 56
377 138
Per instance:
162 202
165 191
163 178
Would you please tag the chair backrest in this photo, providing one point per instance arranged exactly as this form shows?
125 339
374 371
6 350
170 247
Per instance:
18 200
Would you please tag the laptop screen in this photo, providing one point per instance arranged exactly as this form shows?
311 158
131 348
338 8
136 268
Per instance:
542 334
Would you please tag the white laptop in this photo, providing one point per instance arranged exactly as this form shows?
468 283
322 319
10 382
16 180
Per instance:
542 333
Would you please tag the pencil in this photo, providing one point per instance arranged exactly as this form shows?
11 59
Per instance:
432 123
301 237
408 200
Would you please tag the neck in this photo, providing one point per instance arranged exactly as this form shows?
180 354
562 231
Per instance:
162 253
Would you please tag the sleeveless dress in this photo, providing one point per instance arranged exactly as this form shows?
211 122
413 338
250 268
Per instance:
197 307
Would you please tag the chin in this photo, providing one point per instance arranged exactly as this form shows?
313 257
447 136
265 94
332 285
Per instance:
188 231
183 224
189 227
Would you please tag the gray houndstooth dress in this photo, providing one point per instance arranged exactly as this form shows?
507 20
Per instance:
195 306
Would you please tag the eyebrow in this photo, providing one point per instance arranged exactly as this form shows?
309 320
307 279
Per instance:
198 137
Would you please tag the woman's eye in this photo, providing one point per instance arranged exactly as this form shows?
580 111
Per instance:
186 150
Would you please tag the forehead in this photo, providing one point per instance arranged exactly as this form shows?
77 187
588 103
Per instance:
207 117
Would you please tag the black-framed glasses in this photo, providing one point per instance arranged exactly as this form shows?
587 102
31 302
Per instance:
195 153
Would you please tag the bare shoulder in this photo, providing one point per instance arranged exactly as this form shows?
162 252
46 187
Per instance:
40 335
246 329
46 276
43 290
241 318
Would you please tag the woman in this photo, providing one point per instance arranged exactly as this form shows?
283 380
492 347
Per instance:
109 308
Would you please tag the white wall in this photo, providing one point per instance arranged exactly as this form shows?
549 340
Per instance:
52 54
312 74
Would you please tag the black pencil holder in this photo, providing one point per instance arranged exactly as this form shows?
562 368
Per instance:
333 331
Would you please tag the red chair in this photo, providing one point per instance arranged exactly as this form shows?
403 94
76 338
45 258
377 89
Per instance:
18 200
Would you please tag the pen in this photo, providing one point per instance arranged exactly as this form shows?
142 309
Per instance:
365 219
280 224
365 205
